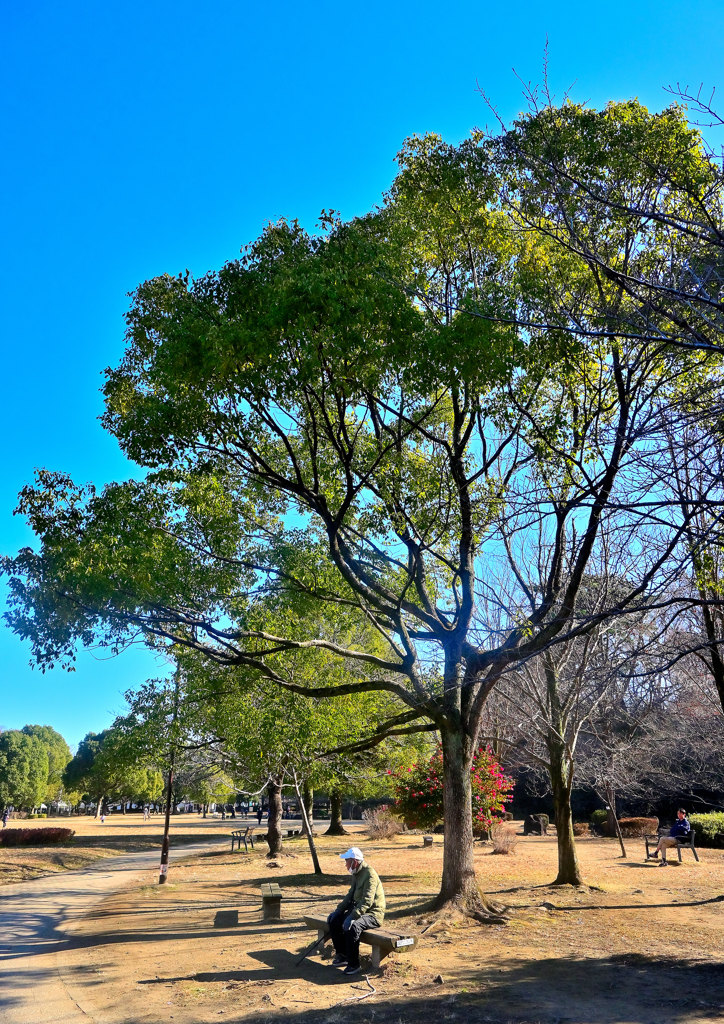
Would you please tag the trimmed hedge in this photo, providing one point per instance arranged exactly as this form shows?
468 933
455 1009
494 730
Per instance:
34 836
706 827
599 818
636 827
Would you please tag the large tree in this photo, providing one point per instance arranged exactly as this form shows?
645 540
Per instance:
365 419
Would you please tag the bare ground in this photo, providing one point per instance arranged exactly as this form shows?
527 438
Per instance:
637 944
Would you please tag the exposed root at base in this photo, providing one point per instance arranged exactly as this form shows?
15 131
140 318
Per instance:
471 904
482 918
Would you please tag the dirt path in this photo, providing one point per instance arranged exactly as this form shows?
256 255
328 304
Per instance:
35 918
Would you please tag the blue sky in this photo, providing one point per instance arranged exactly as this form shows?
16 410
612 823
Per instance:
142 138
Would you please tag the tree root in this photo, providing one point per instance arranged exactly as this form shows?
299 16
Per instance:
472 904
337 830
482 918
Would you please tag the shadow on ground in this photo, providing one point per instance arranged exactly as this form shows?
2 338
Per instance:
634 988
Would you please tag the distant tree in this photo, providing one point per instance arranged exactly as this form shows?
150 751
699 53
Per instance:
23 770
87 773
58 753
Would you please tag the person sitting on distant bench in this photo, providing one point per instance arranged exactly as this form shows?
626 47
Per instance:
681 829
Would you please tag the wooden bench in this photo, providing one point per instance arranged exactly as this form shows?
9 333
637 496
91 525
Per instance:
241 836
271 901
291 832
381 940
686 844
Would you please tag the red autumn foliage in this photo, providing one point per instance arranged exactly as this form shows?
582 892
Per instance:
419 791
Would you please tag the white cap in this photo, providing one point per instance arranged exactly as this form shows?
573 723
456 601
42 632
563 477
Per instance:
354 853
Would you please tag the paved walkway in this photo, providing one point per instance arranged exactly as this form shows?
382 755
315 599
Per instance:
34 917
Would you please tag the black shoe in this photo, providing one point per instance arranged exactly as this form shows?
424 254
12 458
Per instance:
352 969
340 961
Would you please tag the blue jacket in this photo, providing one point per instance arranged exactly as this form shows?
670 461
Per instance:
680 829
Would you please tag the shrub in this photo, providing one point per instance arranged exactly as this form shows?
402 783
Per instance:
636 827
508 816
419 791
34 836
706 827
581 828
381 823
504 841
599 818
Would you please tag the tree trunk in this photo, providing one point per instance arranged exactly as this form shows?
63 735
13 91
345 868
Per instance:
610 812
274 831
569 871
309 830
336 827
613 817
308 798
123 806
458 870
163 870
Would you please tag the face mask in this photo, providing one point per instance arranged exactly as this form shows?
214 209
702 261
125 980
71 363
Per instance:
353 871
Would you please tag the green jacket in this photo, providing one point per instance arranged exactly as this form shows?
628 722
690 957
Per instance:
365 895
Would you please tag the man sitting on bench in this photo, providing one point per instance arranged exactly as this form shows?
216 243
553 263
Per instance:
363 907
681 829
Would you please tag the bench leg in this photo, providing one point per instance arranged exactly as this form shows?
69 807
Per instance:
376 956
696 855
320 934
246 848
678 850
272 910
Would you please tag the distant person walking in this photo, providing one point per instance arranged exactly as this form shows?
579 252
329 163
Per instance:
259 813
6 815
146 814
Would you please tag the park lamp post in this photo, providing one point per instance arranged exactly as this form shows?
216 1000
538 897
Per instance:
163 870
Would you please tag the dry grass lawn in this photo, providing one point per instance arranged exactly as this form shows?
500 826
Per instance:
119 834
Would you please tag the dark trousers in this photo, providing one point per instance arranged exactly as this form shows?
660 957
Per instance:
345 932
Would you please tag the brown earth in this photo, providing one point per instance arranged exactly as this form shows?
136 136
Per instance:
638 944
